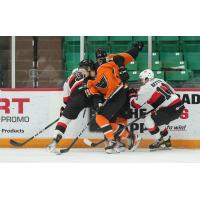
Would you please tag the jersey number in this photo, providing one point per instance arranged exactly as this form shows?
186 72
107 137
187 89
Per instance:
167 93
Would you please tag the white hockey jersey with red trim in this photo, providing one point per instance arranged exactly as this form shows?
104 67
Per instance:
71 85
156 93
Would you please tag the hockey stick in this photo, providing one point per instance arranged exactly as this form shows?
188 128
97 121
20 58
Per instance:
71 145
92 144
18 144
84 113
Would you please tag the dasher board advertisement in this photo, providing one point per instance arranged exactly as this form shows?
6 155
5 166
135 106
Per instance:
24 112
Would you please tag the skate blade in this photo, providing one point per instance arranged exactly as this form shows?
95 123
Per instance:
112 153
122 149
116 151
161 149
55 151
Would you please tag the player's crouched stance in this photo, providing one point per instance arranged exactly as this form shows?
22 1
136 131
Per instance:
75 99
166 103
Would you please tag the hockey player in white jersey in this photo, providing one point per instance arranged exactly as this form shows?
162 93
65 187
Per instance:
166 103
75 99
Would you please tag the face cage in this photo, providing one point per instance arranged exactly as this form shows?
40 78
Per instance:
101 60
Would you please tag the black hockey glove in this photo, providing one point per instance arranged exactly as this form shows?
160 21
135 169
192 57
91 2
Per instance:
123 74
139 45
97 102
132 92
83 86
61 110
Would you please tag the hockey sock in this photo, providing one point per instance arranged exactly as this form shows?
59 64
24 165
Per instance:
61 128
125 133
57 136
105 126
155 132
165 134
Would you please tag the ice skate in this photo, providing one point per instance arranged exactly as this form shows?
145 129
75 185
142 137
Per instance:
121 146
161 144
112 147
52 147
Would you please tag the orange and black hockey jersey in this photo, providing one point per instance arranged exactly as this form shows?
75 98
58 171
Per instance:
107 78
127 57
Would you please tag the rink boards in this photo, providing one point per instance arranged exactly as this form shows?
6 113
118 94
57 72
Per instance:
24 112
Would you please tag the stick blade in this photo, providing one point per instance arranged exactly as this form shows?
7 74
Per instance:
137 142
58 152
87 142
14 143
63 151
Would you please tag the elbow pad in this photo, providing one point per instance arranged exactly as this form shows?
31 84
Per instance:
119 60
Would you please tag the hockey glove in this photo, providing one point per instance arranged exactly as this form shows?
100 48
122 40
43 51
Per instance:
97 102
139 45
61 110
84 87
123 74
132 92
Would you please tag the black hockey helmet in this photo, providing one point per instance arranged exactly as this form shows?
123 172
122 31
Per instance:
87 64
101 53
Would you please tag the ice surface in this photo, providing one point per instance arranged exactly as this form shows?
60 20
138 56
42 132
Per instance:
95 155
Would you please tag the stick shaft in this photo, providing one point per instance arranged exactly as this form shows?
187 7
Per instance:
130 123
13 142
105 102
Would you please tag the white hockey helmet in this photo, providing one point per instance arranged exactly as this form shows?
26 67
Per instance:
147 73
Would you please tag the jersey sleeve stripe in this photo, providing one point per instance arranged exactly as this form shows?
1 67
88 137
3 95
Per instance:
154 98
157 102
174 102
66 99
72 81
76 85
135 105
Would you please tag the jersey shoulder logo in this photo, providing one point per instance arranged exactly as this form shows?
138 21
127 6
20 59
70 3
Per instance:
103 83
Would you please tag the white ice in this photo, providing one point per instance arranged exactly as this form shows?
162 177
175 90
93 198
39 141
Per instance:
98 155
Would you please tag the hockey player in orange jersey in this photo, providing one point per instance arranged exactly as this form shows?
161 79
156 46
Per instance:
111 82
